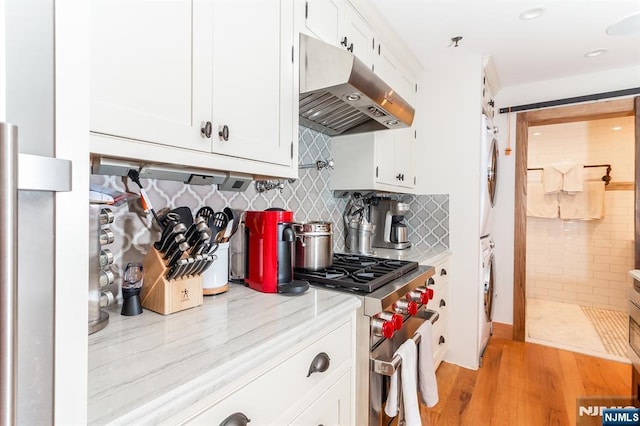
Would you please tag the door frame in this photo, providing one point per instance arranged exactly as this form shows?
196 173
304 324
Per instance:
524 120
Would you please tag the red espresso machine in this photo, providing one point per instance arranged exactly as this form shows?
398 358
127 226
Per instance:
269 251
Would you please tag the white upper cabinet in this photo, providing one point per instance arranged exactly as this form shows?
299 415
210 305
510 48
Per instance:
147 82
252 72
338 23
358 35
392 72
216 77
324 19
381 161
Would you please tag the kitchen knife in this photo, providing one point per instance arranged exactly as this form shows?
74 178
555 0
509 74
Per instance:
200 244
178 239
197 226
182 247
177 228
173 271
194 265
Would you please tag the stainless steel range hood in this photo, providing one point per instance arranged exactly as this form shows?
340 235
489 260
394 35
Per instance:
340 95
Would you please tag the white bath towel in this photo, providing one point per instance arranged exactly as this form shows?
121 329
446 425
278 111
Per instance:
551 179
426 373
573 178
540 204
408 353
588 204
566 177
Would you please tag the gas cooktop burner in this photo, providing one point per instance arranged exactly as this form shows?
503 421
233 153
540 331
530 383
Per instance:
356 273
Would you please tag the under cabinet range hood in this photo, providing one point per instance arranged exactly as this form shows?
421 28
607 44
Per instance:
340 95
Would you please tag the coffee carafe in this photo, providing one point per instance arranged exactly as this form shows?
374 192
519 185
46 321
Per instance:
388 217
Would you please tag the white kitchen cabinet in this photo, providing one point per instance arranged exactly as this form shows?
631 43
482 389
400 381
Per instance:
324 19
488 103
439 283
382 161
287 393
207 77
338 23
392 72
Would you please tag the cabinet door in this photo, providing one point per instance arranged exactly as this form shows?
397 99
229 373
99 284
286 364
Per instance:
151 70
385 152
331 408
323 18
359 34
253 79
392 72
404 159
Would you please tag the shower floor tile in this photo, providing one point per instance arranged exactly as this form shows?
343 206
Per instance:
565 326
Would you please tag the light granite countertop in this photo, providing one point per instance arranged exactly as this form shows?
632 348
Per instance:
145 368
422 254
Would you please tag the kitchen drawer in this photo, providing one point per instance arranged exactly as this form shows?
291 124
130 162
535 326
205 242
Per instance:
331 408
439 343
441 276
440 301
266 397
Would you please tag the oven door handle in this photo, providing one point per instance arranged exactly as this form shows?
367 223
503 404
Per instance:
387 368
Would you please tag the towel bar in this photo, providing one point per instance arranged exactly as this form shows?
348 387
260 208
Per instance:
387 368
606 178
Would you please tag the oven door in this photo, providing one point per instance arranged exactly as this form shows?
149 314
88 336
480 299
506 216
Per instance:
379 383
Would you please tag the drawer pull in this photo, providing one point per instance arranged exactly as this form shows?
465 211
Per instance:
441 340
319 364
443 271
236 419
442 303
431 281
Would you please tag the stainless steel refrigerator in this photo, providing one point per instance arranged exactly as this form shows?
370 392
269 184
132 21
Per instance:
30 176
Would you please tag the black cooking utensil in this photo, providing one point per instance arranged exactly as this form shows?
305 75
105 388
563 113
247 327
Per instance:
205 212
218 225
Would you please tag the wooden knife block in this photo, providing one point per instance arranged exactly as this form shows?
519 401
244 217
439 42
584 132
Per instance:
166 297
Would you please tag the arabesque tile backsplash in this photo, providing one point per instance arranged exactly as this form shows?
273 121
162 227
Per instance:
309 198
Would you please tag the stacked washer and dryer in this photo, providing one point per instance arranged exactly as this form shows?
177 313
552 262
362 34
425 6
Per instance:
488 170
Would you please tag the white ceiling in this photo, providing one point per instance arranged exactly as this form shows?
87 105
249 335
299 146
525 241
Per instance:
523 51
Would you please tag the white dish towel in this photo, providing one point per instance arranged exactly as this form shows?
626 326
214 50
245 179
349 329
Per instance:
408 353
567 177
426 373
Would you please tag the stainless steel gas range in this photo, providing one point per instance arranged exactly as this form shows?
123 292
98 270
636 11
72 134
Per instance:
395 297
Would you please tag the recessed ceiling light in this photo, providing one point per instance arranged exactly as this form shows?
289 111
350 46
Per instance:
532 13
537 133
595 52
616 128
626 26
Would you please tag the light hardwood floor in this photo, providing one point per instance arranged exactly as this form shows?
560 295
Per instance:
523 384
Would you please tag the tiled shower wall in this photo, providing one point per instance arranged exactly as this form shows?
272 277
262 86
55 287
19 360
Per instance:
578 261
309 198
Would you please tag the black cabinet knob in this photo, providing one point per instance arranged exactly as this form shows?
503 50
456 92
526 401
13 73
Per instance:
442 303
431 281
344 41
206 129
223 132
443 271
350 48
236 419
441 340
319 364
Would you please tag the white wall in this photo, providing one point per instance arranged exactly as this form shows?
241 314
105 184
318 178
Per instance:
502 225
448 149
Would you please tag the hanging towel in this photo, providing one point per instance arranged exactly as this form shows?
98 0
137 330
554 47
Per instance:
566 177
408 353
551 179
540 204
572 178
426 373
588 204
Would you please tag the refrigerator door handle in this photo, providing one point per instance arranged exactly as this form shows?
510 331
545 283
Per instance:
37 173
24 172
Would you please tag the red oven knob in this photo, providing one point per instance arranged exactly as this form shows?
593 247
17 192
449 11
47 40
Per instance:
427 294
382 328
405 307
395 319
421 297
